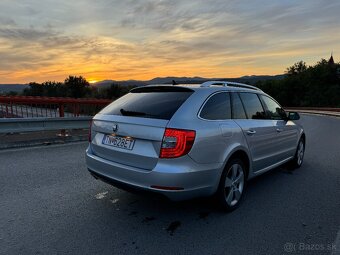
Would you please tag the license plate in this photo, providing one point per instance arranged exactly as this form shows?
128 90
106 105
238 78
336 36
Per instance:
119 142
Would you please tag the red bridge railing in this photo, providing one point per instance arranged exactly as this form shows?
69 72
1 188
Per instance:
28 107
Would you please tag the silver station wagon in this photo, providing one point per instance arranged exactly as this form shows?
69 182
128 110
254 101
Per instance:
186 141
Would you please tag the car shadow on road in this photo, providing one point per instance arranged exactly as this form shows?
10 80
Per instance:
149 209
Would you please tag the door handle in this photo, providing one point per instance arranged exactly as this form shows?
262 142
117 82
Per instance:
251 132
279 130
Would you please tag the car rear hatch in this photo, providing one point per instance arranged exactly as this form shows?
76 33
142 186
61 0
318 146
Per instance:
130 130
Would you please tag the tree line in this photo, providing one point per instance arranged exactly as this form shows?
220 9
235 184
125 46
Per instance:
75 87
317 85
306 86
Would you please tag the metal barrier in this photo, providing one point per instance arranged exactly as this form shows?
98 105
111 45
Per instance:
335 112
326 109
26 107
18 125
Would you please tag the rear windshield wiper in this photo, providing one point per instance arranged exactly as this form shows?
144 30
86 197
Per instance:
135 113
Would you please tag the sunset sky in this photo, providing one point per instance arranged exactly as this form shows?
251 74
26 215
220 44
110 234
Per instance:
106 39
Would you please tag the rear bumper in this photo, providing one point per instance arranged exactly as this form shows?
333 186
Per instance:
193 179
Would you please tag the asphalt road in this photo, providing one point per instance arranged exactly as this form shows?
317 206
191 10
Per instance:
49 204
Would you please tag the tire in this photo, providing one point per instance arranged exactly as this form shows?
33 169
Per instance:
232 185
299 155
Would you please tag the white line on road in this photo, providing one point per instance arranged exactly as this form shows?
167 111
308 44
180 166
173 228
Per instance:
337 245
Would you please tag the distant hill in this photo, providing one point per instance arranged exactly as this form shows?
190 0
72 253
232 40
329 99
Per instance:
5 88
107 83
187 80
252 79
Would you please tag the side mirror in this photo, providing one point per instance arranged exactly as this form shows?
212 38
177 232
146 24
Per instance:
293 116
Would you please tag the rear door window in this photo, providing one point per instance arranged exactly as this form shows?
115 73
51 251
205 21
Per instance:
238 110
149 102
217 107
253 106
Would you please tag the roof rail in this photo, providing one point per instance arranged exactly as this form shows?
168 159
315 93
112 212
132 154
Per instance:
228 84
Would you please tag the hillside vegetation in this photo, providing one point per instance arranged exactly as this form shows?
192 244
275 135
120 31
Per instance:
317 85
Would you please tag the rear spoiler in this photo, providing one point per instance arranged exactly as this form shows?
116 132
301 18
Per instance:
160 88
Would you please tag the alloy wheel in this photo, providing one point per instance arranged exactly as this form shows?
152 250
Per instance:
234 184
300 153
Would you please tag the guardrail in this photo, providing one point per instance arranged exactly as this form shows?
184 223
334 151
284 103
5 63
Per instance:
18 125
335 112
26 107
325 109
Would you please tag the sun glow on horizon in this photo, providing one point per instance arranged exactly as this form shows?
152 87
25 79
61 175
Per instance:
91 81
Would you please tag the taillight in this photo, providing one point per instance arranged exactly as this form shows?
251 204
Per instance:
176 142
90 130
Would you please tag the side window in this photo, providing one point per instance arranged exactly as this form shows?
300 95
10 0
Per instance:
274 110
238 110
253 106
217 107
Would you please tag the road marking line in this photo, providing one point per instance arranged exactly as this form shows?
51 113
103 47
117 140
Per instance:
101 195
337 245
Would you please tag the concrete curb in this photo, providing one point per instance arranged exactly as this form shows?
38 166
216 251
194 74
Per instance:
41 142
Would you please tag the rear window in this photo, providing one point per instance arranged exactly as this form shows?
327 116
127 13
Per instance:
149 102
